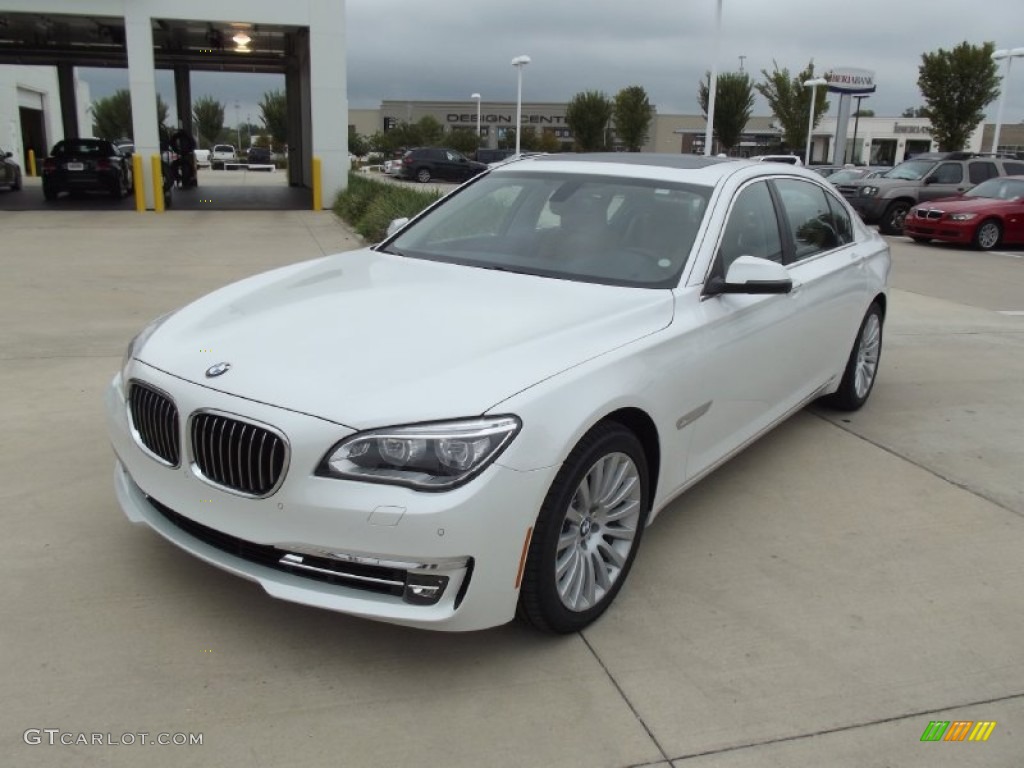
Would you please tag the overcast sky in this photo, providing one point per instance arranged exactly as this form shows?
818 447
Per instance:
448 49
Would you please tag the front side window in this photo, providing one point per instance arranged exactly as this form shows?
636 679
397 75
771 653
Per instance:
601 229
752 229
811 221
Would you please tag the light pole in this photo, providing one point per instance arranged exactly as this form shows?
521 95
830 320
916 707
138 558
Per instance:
1009 55
856 122
713 83
519 62
238 127
813 85
477 97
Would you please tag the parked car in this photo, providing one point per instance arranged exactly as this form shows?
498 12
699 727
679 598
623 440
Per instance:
602 331
825 170
220 154
10 171
986 216
86 165
788 159
844 175
202 158
259 156
886 199
426 163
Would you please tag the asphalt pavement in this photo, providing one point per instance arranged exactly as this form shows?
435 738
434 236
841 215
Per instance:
818 601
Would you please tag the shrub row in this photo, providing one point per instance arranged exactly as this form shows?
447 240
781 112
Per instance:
369 206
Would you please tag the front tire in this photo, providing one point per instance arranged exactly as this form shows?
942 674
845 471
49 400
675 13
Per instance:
587 532
921 240
862 365
892 220
987 235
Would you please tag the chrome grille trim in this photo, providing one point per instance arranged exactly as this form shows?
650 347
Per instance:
153 422
237 454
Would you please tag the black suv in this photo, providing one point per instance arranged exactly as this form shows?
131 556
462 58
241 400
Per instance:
426 163
259 156
886 199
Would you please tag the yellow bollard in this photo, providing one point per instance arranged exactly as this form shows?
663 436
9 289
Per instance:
138 182
318 192
158 184
31 162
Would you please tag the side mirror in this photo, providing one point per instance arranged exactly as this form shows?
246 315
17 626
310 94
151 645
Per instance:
930 180
396 224
752 275
8 154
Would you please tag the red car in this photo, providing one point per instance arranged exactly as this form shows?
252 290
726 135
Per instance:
988 215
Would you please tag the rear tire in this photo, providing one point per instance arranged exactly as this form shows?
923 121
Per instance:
587 532
862 365
49 193
987 235
921 240
423 175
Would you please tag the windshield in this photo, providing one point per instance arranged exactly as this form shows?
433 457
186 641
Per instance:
601 229
999 189
912 170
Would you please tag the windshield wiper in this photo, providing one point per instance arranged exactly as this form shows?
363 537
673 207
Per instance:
392 250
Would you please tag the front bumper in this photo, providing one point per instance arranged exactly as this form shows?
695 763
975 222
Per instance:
469 541
940 229
870 209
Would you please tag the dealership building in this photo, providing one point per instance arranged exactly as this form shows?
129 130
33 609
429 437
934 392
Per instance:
870 140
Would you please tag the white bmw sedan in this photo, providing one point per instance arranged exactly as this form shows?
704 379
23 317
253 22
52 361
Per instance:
480 416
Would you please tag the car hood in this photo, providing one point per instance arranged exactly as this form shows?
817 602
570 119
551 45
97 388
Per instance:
369 339
967 204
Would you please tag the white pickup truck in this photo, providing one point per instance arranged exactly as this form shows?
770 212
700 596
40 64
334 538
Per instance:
222 153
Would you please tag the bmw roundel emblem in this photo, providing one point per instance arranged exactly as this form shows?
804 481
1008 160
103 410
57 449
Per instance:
217 370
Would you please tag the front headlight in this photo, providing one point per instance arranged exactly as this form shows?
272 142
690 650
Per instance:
962 216
425 457
868 191
140 339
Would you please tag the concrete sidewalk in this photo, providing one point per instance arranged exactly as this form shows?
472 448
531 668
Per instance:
816 602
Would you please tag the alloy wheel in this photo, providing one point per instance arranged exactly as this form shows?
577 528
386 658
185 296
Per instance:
598 531
867 355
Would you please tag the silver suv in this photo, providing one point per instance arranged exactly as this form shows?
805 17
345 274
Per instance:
885 199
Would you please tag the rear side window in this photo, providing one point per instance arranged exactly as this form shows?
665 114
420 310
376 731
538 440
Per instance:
978 172
948 173
811 221
840 220
1014 169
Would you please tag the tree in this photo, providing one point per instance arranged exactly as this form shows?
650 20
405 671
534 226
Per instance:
632 117
112 116
548 142
464 140
587 115
430 132
357 145
957 85
734 101
790 102
274 116
915 112
864 113
208 117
